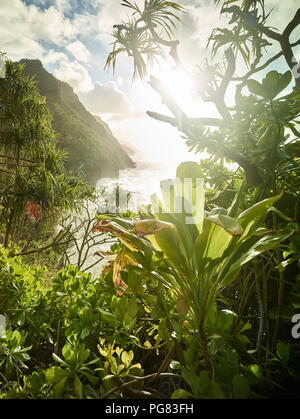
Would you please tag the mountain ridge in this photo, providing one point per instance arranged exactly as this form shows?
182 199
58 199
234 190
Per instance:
88 140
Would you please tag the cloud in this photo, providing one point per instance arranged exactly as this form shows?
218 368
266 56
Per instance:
133 114
199 21
111 103
25 28
79 50
22 48
62 5
54 56
106 99
76 75
30 21
282 13
110 13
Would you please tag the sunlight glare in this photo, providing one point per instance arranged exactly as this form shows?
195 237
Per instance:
180 85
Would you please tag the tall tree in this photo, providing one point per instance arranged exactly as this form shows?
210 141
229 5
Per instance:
254 131
33 181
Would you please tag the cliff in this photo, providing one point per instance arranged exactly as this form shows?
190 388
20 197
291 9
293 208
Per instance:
88 140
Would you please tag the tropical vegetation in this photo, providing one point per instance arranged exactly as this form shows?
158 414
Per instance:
193 301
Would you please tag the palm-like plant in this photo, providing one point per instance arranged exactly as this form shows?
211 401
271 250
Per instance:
137 44
199 260
139 37
31 165
157 13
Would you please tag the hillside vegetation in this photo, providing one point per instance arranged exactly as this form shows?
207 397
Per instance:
88 141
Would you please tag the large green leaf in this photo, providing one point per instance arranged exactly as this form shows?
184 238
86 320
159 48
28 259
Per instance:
186 233
254 216
275 82
229 224
68 354
78 387
256 88
210 245
152 226
241 388
271 86
59 388
247 251
169 242
184 196
55 374
175 204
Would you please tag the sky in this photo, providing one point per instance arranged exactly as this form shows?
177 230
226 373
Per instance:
72 39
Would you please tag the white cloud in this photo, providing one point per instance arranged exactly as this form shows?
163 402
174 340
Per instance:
22 48
53 57
282 13
24 27
79 50
76 75
106 99
111 103
110 13
62 5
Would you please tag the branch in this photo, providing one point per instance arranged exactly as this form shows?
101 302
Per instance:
213 122
292 25
55 242
269 33
181 118
184 124
172 44
285 42
228 74
219 99
263 66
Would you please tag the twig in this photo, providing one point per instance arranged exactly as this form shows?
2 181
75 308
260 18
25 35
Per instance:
135 380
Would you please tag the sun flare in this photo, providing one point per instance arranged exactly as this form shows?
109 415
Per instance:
181 85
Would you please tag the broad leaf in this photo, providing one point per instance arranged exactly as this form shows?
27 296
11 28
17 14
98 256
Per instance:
229 224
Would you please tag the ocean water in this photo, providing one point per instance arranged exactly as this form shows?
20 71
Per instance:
140 182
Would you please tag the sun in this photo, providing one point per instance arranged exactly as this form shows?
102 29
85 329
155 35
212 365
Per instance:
181 86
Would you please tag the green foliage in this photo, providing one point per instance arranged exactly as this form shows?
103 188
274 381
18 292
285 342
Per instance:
138 37
13 355
199 263
51 345
191 304
73 367
271 86
34 181
117 365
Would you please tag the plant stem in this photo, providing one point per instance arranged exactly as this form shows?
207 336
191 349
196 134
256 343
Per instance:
262 321
8 228
208 361
279 306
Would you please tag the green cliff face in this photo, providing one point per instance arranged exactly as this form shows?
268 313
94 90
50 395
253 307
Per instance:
88 140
